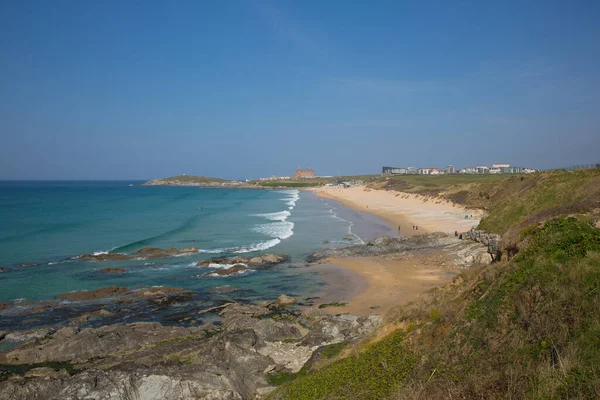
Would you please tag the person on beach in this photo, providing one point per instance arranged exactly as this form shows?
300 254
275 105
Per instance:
455 233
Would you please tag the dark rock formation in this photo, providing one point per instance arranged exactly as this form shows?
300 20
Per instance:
112 270
110 291
105 257
151 361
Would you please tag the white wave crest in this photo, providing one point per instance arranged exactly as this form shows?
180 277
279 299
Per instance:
276 216
279 230
243 249
224 266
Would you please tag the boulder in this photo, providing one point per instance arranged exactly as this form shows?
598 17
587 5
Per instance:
285 300
273 258
255 261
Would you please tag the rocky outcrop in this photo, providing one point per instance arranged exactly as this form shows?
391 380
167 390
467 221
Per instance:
123 293
234 270
154 252
264 260
465 253
491 240
385 245
146 252
151 361
105 257
86 295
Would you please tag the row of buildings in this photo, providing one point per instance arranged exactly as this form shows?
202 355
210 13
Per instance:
450 169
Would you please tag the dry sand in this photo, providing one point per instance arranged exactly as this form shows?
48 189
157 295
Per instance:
405 209
371 285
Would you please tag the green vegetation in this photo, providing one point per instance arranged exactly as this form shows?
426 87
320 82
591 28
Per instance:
511 202
373 374
528 327
6 371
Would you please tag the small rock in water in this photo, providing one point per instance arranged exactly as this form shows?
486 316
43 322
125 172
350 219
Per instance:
112 270
348 239
285 300
236 269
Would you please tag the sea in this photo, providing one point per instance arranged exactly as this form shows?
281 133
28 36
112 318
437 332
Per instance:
46 225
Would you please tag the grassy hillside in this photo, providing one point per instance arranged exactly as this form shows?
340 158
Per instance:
511 201
528 327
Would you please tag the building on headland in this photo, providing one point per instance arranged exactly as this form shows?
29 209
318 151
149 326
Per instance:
304 173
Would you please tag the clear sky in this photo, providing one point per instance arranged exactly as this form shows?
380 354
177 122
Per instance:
243 89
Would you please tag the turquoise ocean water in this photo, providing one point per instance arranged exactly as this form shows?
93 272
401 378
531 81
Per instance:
44 226
49 223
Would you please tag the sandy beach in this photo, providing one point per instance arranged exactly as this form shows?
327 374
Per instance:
371 285
405 210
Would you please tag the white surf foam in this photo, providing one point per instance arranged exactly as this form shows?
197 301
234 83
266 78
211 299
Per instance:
223 266
276 216
243 249
279 230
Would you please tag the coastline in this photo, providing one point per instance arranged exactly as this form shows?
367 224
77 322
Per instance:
405 209
371 285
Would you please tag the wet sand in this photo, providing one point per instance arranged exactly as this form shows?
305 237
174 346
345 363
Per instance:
371 285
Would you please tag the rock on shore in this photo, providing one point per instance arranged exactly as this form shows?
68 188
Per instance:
150 361
263 260
465 252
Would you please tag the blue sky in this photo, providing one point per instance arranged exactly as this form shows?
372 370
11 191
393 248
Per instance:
237 89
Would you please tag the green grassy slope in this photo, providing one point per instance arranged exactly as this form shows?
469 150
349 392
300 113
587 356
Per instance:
528 327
